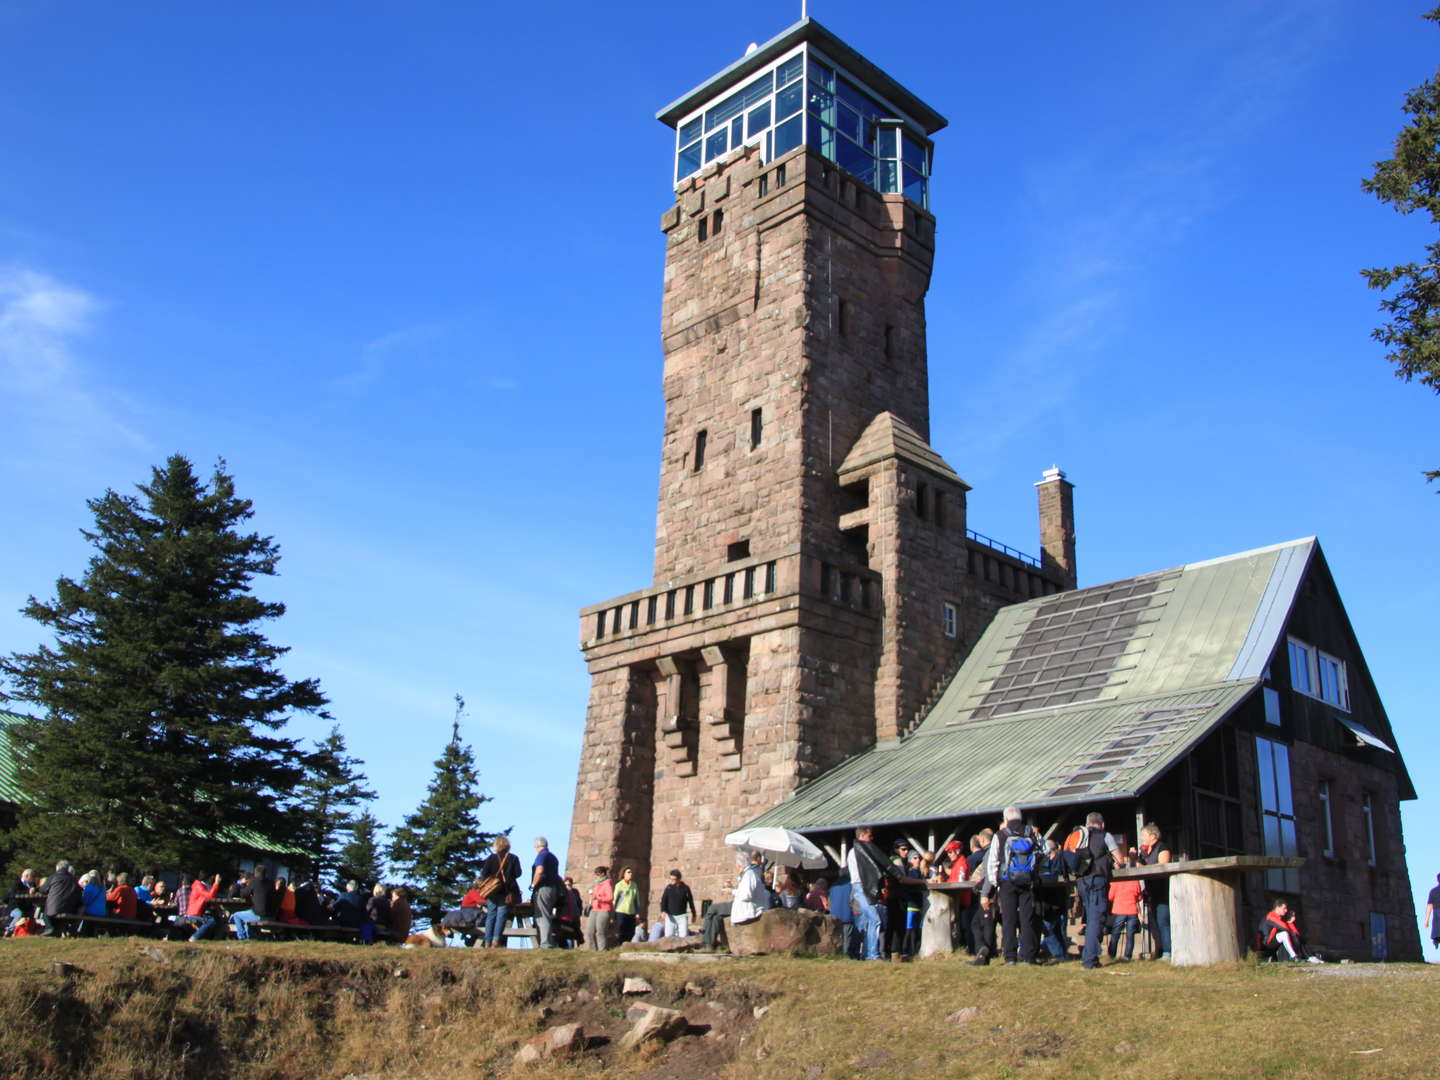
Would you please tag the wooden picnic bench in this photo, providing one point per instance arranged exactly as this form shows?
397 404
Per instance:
110 924
1204 924
284 931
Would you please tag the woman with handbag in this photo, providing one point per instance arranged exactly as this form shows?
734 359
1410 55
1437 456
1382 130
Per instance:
503 869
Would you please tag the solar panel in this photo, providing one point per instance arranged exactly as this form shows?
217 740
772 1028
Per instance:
1073 646
1130 743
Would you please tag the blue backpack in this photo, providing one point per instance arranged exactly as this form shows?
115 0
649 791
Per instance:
1021 861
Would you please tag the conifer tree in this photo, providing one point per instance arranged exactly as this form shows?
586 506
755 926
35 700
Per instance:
326 800
159 708
1410 181
359 859
440 847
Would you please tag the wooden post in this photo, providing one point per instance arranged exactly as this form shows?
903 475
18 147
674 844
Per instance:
936 932
1202 920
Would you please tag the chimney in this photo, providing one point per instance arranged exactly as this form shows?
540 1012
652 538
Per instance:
1057 525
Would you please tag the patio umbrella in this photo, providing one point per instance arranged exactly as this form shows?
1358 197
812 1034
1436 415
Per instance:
783 846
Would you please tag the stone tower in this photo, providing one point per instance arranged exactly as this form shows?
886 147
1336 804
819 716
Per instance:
815 581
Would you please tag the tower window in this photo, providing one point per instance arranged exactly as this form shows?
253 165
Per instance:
842 317
889 342
764 184
922 494
779 175
702 229
952 621
757 427
737 551
700 438
718 222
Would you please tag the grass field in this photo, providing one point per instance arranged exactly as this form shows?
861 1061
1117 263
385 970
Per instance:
131 1009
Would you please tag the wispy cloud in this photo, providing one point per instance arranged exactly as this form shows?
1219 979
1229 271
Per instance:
49 395
399 348
1138 186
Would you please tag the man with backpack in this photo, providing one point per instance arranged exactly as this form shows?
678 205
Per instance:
1089 864
1012 869
868 867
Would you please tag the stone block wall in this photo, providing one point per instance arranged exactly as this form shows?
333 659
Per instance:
1341 890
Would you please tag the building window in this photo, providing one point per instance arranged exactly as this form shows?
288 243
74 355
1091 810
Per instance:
1277 812
717 222
757 427
922 494
1272 705
842 317
1327 825
1317 674
737 551
889 342
1333 687
701 437
952 622
1302 667
702 229
1367 812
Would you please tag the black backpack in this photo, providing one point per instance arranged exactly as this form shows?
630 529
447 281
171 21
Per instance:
1021 859
1079 859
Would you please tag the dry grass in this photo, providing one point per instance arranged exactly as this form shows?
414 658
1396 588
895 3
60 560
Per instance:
332 1011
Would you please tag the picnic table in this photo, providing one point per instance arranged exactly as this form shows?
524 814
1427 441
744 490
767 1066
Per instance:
1203 897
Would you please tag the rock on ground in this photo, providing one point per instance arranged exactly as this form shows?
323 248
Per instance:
653 1023
564 1040
788 932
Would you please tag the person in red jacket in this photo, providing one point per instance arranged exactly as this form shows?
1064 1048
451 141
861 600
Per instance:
1280 934
602 909
1124 910
122 897
195 913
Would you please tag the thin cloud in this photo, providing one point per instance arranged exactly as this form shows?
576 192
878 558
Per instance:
49 397
1097 214
404 346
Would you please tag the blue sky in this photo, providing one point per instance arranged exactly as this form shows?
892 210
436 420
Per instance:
400 265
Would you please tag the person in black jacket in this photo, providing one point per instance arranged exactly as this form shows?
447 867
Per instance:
868 866
1092 864
260 891
62 894
677 904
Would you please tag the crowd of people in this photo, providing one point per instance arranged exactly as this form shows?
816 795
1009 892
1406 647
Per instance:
1025 893
199 908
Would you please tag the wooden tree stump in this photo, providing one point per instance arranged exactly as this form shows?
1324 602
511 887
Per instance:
935 932
1202 920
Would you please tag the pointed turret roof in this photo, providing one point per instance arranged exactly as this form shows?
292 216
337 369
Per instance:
890 437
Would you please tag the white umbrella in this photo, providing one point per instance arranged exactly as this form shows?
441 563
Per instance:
783 846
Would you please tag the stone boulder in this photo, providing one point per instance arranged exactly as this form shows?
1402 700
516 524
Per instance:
652 1023
787 931
566 1040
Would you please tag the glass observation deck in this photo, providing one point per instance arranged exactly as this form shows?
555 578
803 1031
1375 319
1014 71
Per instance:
806 87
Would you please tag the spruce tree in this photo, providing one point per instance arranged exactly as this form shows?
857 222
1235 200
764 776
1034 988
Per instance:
159 707
440 847
359 859
326 800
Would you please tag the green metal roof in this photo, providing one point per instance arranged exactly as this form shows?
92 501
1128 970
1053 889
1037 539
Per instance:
1085 695
9 793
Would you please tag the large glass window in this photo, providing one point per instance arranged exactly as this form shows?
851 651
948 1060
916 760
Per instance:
1277 812
846 125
